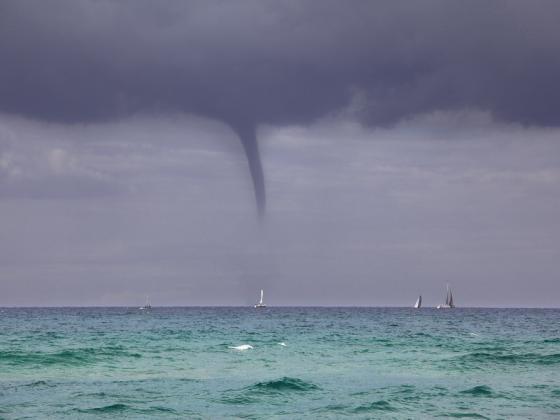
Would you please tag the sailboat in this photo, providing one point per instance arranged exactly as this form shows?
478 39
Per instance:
147 305
448 300
418 303
260 304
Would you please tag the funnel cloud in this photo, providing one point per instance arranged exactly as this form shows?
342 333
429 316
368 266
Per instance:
248 136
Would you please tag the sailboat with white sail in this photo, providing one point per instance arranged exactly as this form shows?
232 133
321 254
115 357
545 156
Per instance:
418 303
147 306
260 304
448 300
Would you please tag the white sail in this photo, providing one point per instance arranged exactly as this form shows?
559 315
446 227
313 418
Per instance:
261 304
418 303
448 300
147 305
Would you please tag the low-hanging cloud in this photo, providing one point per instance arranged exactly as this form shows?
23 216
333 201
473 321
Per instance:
249 63
375 219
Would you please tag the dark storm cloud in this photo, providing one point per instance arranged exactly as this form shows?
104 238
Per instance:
252 62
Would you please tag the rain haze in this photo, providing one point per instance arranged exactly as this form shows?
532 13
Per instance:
329 152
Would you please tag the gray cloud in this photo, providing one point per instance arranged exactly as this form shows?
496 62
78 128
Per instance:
249 63
357 215
270 62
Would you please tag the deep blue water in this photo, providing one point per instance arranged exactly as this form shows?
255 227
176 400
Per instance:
336 363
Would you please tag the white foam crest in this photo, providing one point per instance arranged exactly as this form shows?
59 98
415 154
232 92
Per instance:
242 347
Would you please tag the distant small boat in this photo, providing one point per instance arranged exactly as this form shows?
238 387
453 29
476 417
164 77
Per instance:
260 304
418 303
147 305
448 300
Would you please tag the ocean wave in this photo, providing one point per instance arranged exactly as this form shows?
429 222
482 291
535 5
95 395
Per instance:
380 405
119 408
273 388
467 415
330 408
160 409
38 383
479 391
242 347
285 384
422 334
70 357
238 400
360 351
99 394
113 408
477 358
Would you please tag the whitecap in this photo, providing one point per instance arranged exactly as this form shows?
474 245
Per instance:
242 347
282 344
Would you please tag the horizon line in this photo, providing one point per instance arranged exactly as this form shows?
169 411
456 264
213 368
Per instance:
267 307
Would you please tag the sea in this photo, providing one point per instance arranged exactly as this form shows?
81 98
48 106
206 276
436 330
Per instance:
279 363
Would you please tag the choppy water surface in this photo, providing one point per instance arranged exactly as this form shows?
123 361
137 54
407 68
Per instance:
336 362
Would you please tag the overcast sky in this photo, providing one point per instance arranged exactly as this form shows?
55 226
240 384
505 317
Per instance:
332 153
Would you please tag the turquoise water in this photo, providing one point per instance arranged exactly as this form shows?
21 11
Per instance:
336 363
